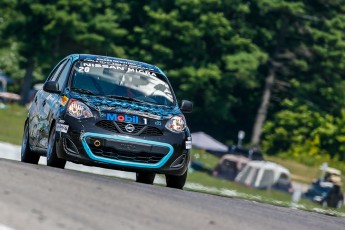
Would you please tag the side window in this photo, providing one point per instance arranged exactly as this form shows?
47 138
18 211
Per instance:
57 71
64 75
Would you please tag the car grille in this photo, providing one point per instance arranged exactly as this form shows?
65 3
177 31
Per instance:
107 125
119 127
112 153
137 128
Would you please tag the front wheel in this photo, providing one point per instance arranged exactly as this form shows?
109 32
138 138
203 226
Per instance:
145 178
27 155
52 158
176 181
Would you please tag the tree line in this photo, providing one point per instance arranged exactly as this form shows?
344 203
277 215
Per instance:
273 68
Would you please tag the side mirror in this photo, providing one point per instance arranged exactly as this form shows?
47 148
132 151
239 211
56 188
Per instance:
51 87
187 106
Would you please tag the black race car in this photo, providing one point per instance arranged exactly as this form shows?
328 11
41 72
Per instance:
112 113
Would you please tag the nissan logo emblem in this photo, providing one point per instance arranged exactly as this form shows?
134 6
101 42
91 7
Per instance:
129 128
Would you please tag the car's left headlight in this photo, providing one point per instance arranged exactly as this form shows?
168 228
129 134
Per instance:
176 124
78 109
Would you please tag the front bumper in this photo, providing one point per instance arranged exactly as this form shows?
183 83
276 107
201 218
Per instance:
88 144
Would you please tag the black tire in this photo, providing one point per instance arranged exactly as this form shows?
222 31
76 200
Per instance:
52 158
27 155
176 181
145 177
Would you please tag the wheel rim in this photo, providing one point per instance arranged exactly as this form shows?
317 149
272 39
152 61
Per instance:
51 144
25 140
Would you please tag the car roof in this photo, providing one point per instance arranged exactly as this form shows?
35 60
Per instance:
333 171
268 165
100 58
236 158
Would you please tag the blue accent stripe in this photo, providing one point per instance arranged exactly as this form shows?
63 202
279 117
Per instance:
127 139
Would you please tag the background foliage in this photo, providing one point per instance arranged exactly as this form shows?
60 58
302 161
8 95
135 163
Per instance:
217 53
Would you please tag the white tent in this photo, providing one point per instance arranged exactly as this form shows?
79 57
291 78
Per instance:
262 174
203 141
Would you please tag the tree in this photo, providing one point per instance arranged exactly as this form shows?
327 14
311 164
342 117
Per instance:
47 31
206 53
274 37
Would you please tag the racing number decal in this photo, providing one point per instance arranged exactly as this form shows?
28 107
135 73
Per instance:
84 69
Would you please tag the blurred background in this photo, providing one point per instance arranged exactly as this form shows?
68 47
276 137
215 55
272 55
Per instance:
267 78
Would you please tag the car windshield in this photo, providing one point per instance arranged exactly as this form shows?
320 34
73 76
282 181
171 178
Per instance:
121 82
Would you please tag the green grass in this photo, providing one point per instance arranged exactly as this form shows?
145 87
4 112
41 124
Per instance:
241 191
304 173
299 172
12 120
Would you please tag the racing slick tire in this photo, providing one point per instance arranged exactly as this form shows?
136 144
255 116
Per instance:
52 158
145 177
27 155
176 181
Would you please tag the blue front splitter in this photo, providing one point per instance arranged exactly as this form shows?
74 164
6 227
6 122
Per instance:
127 139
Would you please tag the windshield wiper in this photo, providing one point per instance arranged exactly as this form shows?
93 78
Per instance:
84 91
124 98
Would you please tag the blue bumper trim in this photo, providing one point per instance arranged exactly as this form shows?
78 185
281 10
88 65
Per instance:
127 139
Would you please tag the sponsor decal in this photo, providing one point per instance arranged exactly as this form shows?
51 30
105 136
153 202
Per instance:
158 123
87 64
62 128
123 118
129 68
63 100
145 72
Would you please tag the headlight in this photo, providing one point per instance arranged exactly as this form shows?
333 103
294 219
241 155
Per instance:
78 109
176 124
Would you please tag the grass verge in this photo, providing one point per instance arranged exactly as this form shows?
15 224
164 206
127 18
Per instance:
233 189
12 119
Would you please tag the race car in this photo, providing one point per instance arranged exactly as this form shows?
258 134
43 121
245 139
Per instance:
112 113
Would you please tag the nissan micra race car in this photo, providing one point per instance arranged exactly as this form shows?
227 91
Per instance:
111 113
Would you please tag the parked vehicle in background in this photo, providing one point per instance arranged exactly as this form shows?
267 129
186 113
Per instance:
229 166
327 190
326 194
4 95
112 113
252 154
265 175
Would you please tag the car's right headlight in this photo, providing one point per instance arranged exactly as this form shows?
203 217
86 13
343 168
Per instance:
176 124
78 109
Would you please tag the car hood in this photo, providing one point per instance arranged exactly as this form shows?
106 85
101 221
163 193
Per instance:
104 104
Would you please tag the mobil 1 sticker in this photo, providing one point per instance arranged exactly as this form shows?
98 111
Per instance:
128 118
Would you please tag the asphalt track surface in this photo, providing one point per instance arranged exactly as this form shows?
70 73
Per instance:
41 197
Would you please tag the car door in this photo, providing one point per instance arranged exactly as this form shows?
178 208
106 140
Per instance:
40 125
51 106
